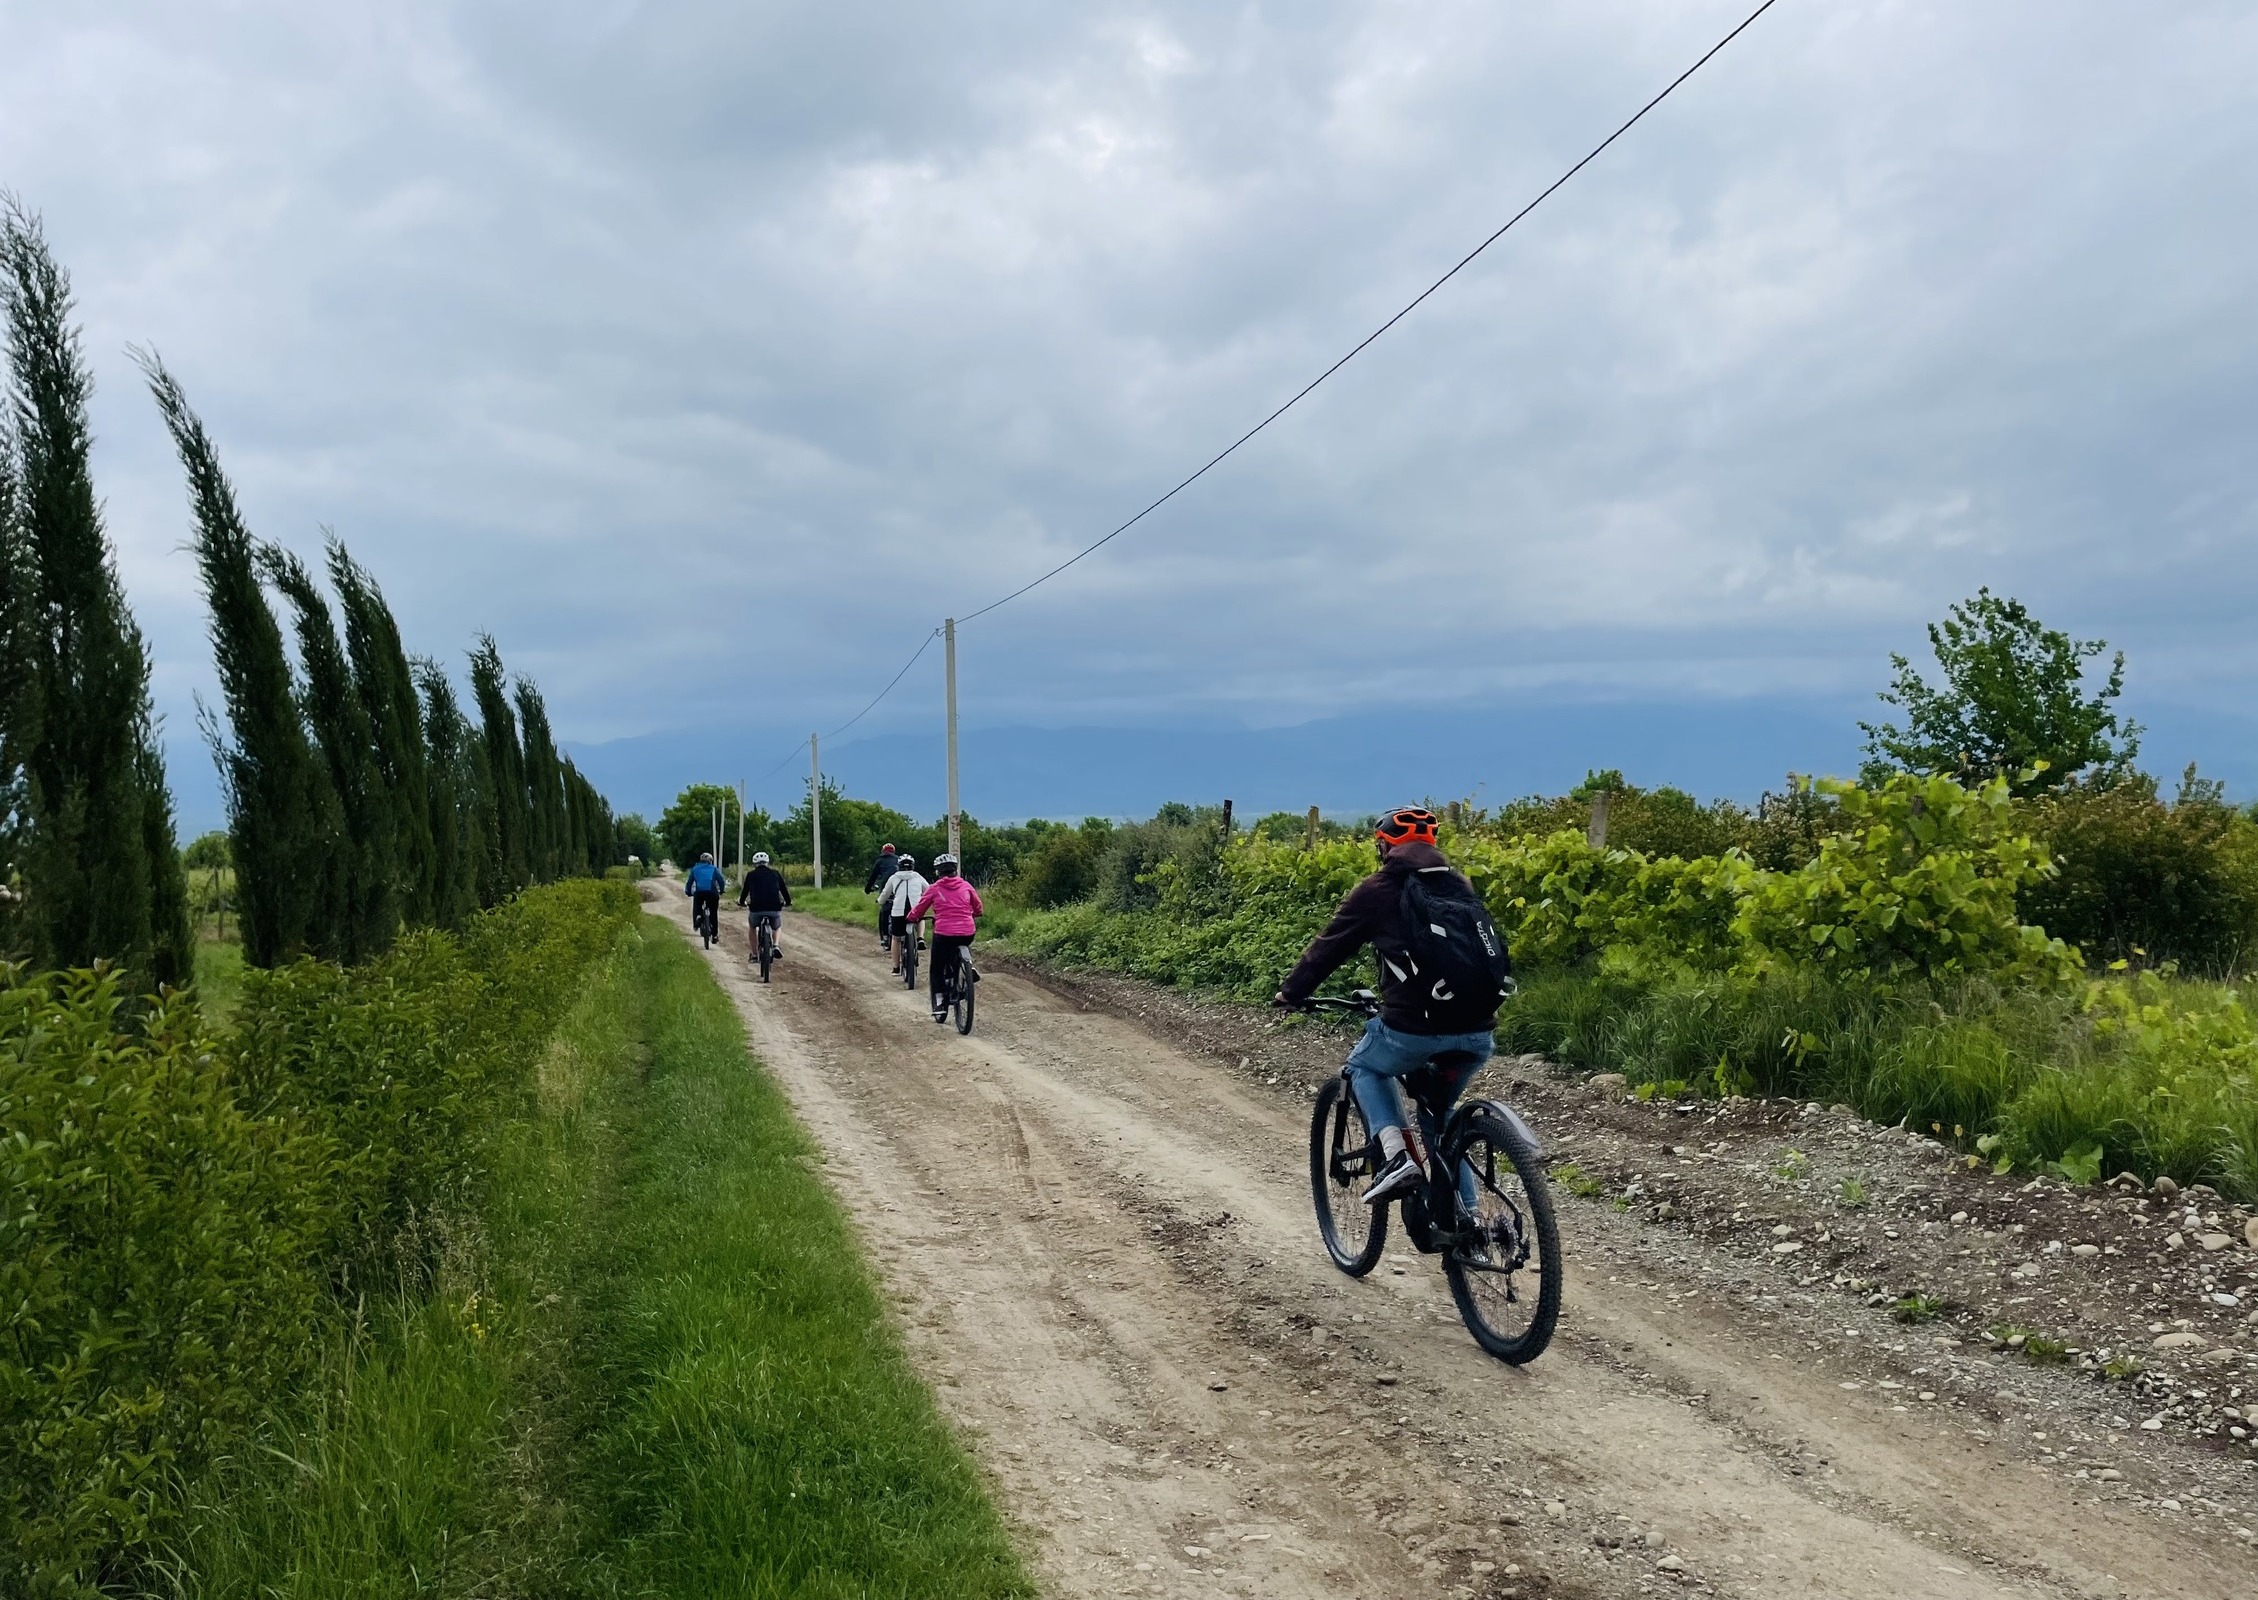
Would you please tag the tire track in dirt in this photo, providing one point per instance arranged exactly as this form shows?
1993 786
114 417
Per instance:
1103 1257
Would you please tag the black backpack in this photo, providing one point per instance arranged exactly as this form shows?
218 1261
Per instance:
1458 959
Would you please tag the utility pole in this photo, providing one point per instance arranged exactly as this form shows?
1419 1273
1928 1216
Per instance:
815 802
740 825
1309 839
949 651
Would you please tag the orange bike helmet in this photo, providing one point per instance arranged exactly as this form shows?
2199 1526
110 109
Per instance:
1406 825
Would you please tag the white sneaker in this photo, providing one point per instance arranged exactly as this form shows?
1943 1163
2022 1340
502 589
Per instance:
1397 1176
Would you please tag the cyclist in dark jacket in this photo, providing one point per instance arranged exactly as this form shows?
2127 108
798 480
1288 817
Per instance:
1412 1028
764 894
874 882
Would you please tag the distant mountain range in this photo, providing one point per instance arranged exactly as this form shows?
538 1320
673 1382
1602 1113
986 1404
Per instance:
1346 765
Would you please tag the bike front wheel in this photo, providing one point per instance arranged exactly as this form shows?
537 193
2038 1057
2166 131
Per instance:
1342 1158
1503 1263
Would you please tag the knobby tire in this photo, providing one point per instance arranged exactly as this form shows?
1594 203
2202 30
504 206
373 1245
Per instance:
1483 1137
1355 1234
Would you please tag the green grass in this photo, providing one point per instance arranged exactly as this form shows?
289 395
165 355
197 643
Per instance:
2149 1075
219 977
834 904
652 1364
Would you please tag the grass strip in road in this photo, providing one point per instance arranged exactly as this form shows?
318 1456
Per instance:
768 1436
652 1363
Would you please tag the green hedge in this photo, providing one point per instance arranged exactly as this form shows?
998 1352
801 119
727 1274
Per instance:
183 1212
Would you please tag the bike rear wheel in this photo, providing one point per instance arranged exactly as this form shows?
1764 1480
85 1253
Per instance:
1504 1269
1342 1158
768 950
966 987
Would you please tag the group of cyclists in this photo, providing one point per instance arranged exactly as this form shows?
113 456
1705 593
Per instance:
763 894
906 897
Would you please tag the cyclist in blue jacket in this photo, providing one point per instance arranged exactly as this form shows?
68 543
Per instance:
704 889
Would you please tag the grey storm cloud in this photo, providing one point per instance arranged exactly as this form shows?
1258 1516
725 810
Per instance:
674 341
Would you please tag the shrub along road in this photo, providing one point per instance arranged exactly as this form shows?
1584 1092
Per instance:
1100 1246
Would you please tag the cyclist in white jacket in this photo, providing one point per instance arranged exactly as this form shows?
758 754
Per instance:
903 890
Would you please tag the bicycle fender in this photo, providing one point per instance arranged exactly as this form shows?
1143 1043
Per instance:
1512 1119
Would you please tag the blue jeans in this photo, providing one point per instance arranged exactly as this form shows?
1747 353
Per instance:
1385 1054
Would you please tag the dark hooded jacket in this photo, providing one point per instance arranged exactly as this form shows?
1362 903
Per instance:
1372 915
888 863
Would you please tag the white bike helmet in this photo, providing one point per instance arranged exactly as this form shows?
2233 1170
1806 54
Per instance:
945 863
760 858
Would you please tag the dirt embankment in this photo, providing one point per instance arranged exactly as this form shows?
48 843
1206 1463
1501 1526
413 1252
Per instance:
1094 1216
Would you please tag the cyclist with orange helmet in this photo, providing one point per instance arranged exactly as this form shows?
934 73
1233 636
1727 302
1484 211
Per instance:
1442 971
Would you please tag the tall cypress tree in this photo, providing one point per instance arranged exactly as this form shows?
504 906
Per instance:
503 787
281 806
15 697
84 730
386 685
366 916
450 792
544 786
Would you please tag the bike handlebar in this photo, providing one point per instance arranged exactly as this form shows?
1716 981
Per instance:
1363 1002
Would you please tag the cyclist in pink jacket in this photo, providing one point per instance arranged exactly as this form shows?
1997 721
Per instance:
953 903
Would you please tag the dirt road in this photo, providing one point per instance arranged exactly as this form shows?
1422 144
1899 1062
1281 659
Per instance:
1102 1252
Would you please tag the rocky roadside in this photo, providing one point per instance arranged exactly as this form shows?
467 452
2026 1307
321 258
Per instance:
2104 1333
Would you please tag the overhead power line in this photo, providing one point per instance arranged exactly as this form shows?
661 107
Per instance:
1303 393
1549 190
923 645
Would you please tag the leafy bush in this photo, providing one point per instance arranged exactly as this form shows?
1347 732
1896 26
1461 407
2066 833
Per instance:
1062 867
1921 879
179 1210
2142 879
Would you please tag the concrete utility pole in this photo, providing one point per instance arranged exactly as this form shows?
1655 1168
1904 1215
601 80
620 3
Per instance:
1309 839
815 801
1595 833
949 651
740 824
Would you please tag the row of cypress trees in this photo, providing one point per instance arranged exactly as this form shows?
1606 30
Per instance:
88 867
361 799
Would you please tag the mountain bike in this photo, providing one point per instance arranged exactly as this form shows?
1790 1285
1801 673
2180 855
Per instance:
764 943
910 944
957 985
1485 1207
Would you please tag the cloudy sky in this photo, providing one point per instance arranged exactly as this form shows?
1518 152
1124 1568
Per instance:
709 353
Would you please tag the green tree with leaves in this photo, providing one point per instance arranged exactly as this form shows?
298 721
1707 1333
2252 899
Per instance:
686 827
279 798
545 847
364 918
506 813
385 682
96 854
451 798
15 704
2013 703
